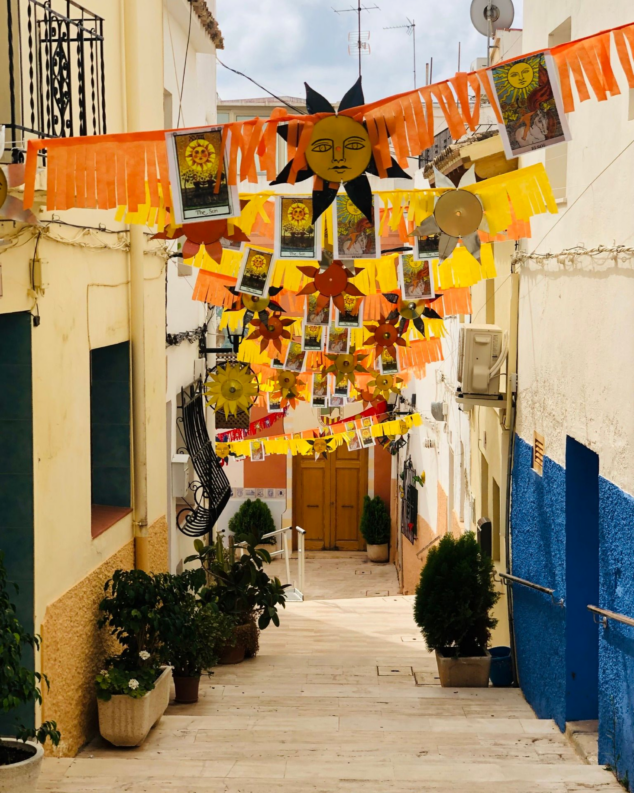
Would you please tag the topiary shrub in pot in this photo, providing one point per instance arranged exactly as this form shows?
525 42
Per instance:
375 528
254 518
20 755
453 605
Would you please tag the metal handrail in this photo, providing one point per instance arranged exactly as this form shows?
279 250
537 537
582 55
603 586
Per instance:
605 615
297 591
523 582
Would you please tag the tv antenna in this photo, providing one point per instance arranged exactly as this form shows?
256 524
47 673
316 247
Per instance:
411 31
488 16
361 44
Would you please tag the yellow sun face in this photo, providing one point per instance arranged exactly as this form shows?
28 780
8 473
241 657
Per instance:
201 157
231 389
521 75
222 449
298 216
258 264
339 149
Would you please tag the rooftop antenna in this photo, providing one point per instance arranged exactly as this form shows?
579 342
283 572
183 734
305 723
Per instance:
489 16
411 31
361 43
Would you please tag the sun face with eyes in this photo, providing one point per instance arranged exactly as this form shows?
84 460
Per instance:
339 149
521 75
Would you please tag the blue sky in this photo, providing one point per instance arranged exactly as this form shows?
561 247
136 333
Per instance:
282 43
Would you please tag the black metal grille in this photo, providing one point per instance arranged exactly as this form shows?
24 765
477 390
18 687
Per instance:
211 492
409 502
55 83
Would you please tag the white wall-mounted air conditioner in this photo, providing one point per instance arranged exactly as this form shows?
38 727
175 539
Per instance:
482 351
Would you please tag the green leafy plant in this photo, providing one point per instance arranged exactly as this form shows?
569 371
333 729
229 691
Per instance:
375 521
253 518
133 683
237 583
455 596
18 684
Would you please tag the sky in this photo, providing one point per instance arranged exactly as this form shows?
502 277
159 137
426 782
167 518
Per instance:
282 43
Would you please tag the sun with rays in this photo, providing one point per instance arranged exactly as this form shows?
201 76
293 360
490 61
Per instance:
515 81
339 152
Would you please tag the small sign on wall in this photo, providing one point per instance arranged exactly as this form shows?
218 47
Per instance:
268 493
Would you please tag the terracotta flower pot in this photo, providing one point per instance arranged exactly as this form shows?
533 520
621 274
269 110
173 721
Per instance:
378 553
463 672
186 688
236 654
21 777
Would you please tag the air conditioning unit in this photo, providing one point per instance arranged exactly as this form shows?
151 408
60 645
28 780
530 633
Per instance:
482 351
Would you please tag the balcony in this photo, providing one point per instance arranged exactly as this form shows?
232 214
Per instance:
52 82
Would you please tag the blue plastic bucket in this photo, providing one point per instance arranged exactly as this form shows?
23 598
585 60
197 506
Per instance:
501 667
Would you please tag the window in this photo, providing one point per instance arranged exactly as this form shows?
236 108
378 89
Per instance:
223 118
538 453
110 463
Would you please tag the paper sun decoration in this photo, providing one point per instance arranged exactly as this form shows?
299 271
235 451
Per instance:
384 385
288 387
333 282
271 331
411 311
321 446
385 336
231 388
345 365
209 234
256 305
338 152
458 215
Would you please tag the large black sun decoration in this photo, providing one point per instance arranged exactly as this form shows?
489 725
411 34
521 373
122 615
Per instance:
339 152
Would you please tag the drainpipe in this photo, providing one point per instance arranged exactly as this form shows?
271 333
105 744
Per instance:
143 31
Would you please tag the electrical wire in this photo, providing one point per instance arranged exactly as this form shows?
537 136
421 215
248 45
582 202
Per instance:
189 33
270 93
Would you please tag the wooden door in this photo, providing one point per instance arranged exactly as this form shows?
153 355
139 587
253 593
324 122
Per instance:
328 499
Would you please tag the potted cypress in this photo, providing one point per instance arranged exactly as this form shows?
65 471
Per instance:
21 755
375 528
253 517
453 609
132 690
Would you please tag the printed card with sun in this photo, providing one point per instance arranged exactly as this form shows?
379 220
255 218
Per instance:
274 403
313 337
415 278
352 317
529 99
338 340
296 237
319 392
194 157
355 236
256 271
295 358
313 314
388 364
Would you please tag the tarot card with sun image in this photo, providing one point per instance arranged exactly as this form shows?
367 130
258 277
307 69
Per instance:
314 315
295 235
274 403
355 237
415 278
529 100
388 364
194 158
313 337
319 391
352 317
338 340
341 388
256 271
295 358
427 247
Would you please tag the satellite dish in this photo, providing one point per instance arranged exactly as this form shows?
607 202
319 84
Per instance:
487 16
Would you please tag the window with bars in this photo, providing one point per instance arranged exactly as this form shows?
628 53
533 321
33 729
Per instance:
538 453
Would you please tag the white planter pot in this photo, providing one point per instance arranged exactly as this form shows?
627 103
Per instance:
378 553
21 777
124 721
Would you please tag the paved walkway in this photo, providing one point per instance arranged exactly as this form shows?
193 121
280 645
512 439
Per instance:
343 698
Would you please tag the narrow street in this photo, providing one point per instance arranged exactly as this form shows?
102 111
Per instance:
342 697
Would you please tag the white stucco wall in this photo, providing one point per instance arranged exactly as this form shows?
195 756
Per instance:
576 344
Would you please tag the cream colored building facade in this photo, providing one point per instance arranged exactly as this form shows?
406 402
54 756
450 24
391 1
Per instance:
99 298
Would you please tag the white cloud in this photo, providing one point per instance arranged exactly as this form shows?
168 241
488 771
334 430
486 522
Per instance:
282 43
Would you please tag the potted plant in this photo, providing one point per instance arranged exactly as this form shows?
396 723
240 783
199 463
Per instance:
132 690
20 755
253 517
375 528
453 609
241 589
192 632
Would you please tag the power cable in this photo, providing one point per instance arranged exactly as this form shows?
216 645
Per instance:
189 33
270 93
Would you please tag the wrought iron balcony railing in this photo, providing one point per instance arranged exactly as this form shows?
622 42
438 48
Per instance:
52 80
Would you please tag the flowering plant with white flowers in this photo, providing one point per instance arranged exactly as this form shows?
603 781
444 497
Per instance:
133 683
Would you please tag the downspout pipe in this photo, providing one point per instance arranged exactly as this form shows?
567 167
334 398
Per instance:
142 25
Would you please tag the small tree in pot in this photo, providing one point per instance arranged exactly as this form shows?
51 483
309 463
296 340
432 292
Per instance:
253 517
375 528
20 756
453 609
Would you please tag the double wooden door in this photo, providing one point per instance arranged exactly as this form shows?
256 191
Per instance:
328 498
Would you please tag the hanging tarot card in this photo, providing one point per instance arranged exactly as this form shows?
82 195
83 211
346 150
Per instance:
295 358
352 317
314 315
336 401
355 237
274 403
276 363
313 337
354 441
342 388
257 452
194 157
366 437
388 364
338 340
295 235
319 393
415 278
427 247
530 103
256 271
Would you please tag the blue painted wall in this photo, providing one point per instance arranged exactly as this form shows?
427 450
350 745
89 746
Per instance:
539 545
616 643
